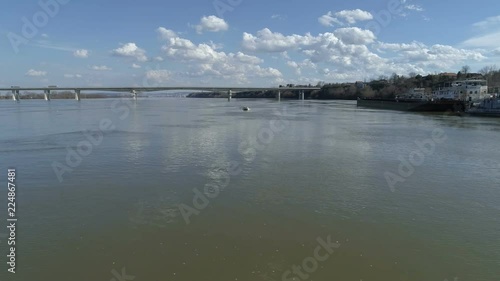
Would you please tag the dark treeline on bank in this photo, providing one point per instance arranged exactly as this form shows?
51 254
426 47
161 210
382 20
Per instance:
383 87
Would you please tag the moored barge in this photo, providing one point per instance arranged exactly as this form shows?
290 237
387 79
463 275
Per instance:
414 105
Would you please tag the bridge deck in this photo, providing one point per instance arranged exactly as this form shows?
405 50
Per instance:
156 89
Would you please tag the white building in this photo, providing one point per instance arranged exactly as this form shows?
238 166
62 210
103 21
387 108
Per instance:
470 90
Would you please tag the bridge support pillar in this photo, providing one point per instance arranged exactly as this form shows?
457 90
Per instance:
15 95
229 95
278 96
46 94
303 95
77 95
134 94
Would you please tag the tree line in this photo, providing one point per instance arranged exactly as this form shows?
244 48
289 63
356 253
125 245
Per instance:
390 86
386 87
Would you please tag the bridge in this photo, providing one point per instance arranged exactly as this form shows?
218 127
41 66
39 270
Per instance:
136 90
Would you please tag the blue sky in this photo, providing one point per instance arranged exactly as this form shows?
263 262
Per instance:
240 42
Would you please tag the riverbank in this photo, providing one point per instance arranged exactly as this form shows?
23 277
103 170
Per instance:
323 94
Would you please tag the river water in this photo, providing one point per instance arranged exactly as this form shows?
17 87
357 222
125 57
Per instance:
197 189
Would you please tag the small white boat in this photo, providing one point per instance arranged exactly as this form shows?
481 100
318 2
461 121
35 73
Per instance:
245 108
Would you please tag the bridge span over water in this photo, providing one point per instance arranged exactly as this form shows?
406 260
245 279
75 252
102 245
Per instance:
135 91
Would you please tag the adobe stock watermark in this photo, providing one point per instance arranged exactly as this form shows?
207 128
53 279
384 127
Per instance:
384 17
415 158
75 156
31 26
310 264
248 149
223 6
121 276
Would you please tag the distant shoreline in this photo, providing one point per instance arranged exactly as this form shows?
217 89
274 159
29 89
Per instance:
272 94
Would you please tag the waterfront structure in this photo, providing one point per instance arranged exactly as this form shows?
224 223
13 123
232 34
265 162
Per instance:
473 90
489 107
416 94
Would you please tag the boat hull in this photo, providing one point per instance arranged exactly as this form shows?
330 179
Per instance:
425 106
486 108
484 114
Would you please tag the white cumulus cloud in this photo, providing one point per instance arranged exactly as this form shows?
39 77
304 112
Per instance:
278 17
299 66
355 35
436 56
165 34
158 76
352 53
414 7
267 41
131 50
36 73
489 40
211 24
329 20
345 17
100 67
206 61
82 53
70 76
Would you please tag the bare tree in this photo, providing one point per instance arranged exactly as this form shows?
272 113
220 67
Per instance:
488 70
394 78
465 70
320 84
383 77
367 92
